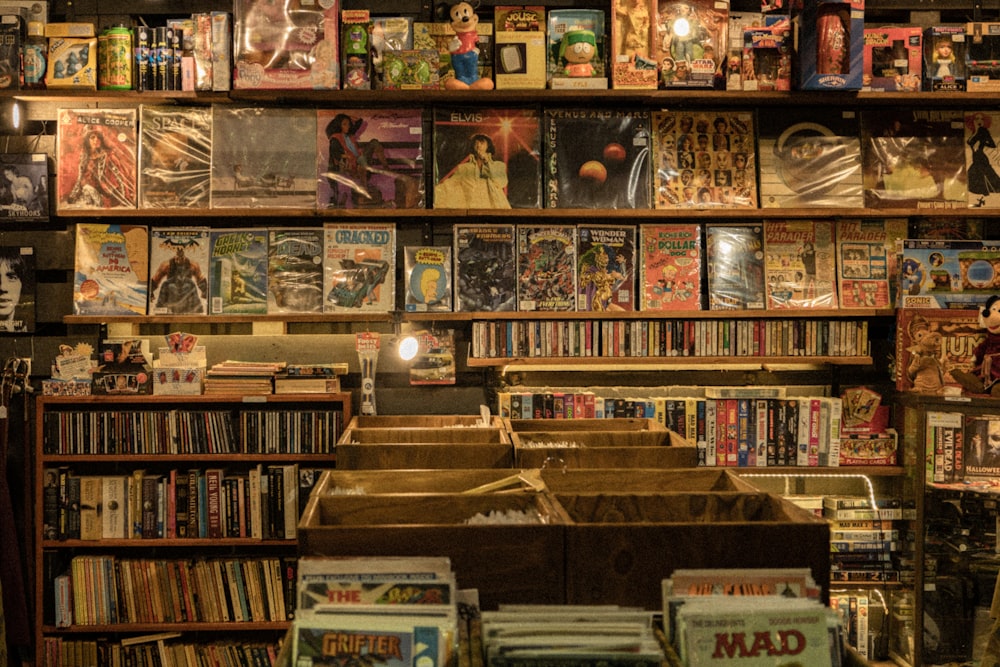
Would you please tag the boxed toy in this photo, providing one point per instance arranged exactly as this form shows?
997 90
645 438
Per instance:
437 36
694 43
633 44
948 274
411 69
892 59
286 45
72 63
389 33
520 47
767 58
829 44
739 22
944 58
982 57
576 49
356 54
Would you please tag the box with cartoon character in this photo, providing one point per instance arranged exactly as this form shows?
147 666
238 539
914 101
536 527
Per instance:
829 39
892 59
948 274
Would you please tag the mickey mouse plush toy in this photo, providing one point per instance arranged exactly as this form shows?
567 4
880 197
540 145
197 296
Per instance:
464 50
985 375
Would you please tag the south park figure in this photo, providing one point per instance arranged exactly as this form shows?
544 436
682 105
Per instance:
464 50
577 49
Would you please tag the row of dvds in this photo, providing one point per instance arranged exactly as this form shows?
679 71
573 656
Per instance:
148 651
657 338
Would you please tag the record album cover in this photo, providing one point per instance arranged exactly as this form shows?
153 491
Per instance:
238 271
111 269
96 159
359 267
17 289
175 157
546 267
982 158
800 267
295 270
736 267
670 257
606 270
25 191
178 279
485 268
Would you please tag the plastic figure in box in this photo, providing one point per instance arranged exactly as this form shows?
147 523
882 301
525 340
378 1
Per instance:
832 45
576 51
633 17
985 375
944 57
464 50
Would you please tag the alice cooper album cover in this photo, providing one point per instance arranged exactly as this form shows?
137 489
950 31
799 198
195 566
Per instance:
175 157
25 186
96 159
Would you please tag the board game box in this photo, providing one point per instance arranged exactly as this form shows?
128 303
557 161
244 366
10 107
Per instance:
606 269
18 300
704 159
930 344
670 266
485 268
237 271
111 269
175 157
178 277
96 159
359 267
736 269
427 277
26 196
487 158
295 270
597 158
800 267
370 158
546 267
937 273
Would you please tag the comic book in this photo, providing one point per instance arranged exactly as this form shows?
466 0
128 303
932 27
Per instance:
487 158
800 267
390 640
982 159
294 270
96 159
359 267
370 158
111 269
606 267
18 300
546 267
670 266
485 268
809 157
178 276
238 271
913 158
175 157
866 260
263 157
704 159
736 269
932 342
948 274
26 195
427 276
597 158
435 360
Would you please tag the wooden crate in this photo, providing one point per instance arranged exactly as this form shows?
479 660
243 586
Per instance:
424 447
610 424
341 482
422 421
603 449
632 480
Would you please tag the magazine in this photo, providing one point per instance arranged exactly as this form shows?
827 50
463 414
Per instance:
736 270
178 278
111 269
800 268
359 267
670 266
175 157
295 270
867 266
238 271
96 159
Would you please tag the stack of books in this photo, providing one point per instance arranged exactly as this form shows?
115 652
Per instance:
243 377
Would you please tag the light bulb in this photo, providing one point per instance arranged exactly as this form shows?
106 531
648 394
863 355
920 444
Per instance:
408 346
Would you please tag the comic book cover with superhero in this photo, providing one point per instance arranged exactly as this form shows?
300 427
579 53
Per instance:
359 267
736 267
238 271
96 159
295 270
606 272
26 195
370 158
175 157
111 269
670 266
178 278
546 267
485 268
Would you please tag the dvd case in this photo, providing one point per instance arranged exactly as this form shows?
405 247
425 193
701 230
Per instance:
175 157
96 159
485 268
178 279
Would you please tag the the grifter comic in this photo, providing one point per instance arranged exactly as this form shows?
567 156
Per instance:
111 269
178 278
238 271
800 267
670 266
736 269
96 159
175 157
485 268
427 275
359 267
546 267
605 267
295 270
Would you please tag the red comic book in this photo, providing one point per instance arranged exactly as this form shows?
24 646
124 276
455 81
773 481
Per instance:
670 267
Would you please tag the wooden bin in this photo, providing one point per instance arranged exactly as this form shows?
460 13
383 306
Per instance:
342 482
620 547
507 563
603 449
424 448
632 480
609 424
422 421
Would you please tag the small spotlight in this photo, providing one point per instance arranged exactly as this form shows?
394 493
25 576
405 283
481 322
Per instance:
408 347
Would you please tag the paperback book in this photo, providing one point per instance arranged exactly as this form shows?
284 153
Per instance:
238 271
178 279
295 270
800 268
26 192
670 266
485 268
175 157
736 270
487 158
370 158
427 277
606 270
597 159
96 159
868 269
111 269
546 268
18 297
359 267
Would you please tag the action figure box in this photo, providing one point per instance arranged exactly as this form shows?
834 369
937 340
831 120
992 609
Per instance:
175 157
72 63
948 274
913 158
485 268
739 22
597 158
830 44
519 55
767 58
359 267
263 157
487 158
28 196
287 45
237 271
389 34
356 49
546 268
694 42
893 59
809 158
411 69
606 267
96 159
982 57
436 36
981 160
634 32
178 278
944 58
576 49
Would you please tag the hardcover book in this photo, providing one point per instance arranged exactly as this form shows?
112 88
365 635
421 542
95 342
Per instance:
487 158
178 279
111 269
930 344
606 267
359 267
913 159
800 268
597 159
485 268
736 269
866 259
670 266
295 270
96 159
263 157
17 289
704 159
26 195
238 271
175 157
546 267
370 158
427 277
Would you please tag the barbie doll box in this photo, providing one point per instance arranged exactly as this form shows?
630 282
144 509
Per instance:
944 58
